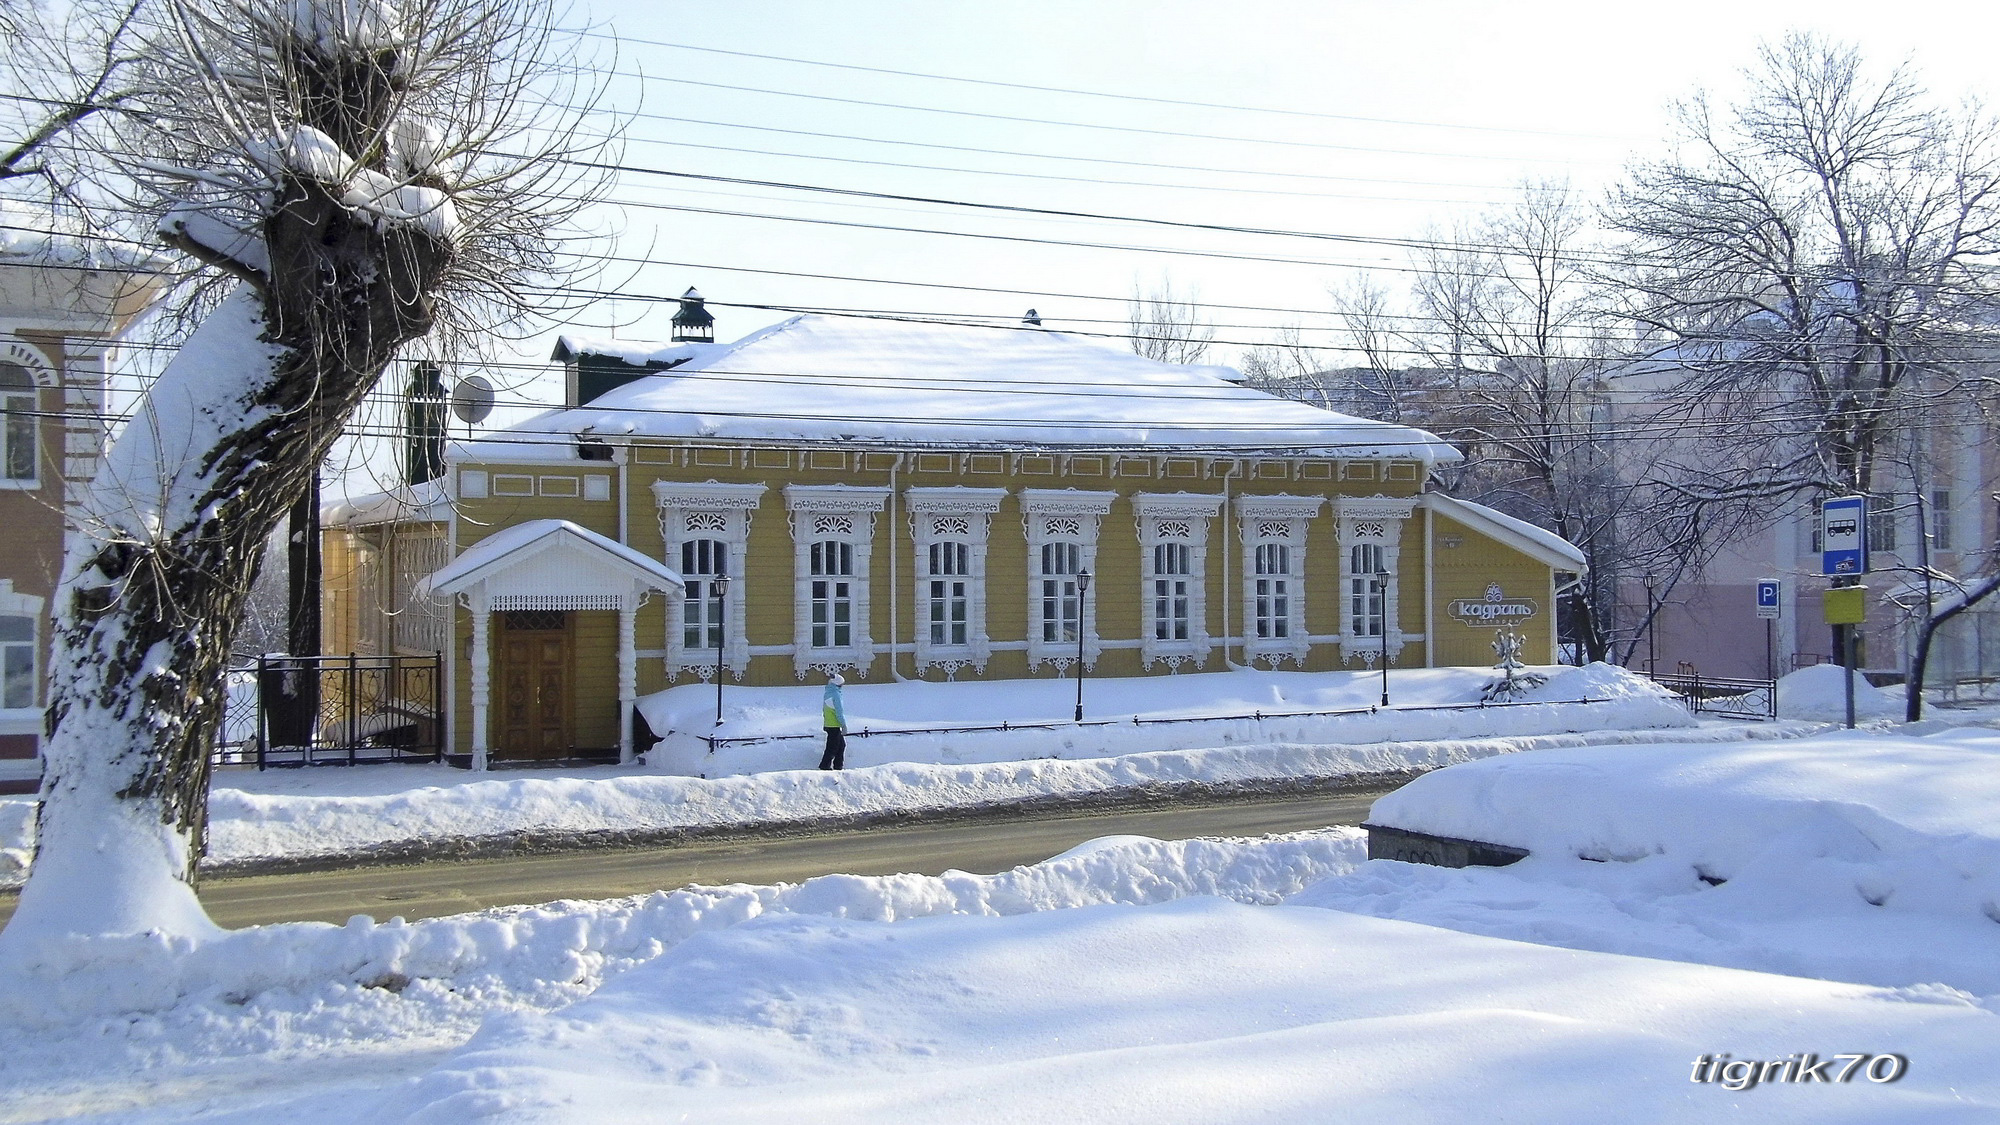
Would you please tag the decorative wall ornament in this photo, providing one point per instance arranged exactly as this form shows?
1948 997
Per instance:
1173 566
1273 530
1375 522
1061 526
950 528
714 511
850 537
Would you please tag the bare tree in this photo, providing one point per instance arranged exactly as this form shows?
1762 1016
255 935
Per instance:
1168 327
63 68
1818 256
1517 322
361 175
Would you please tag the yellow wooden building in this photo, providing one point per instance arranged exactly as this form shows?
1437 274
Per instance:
913 501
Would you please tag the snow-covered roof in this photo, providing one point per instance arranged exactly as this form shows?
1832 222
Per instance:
404 503
511 545
32 234
825 378
1537 543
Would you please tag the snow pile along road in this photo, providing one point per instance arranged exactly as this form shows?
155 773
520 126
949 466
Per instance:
1848 856
766 729
1819 692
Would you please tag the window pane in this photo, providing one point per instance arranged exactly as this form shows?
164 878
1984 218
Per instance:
17 628
17 676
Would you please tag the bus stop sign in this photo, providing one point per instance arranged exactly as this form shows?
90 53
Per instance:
1843 536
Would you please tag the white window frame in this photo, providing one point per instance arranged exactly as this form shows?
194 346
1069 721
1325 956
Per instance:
26 403
24 719
953 515
1375 521
1062 515
1268 521
722 512
1175 518
840 513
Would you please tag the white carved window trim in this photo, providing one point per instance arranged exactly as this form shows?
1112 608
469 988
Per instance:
1180 518
832 513
953 515
1062 515
709 510
1273 520
1378 521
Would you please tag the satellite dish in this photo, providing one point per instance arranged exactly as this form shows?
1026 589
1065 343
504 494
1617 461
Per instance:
472 399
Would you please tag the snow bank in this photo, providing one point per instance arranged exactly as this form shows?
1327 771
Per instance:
458 968
1196 1011
1851 857
768 729
1819 692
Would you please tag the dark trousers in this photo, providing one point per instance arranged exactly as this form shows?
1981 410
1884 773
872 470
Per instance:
835 757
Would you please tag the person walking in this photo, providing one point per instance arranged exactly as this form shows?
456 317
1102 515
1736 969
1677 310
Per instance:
834 716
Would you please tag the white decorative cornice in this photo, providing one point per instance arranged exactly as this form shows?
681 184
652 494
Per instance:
1374 507
1065 502
1177 505
1279 507
708 495
954 500
834 498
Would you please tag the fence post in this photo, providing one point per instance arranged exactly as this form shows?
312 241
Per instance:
353 716
262 660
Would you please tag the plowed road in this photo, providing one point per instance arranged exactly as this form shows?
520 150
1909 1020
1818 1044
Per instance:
986 844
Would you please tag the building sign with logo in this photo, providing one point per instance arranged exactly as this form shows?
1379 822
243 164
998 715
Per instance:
1494 610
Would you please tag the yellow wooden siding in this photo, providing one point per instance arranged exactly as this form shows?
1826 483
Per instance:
1464 572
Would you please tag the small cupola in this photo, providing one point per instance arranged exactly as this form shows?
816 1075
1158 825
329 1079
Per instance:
693 324
1033 318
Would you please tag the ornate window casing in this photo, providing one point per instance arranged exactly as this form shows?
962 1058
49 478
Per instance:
1371 535
1173 565
707 524
1061 527
1274 566
833 537
20 658
951 528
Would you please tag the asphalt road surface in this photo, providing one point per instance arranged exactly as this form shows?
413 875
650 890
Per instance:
985 844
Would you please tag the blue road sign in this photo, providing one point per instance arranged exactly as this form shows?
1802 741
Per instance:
1768 592
1843 536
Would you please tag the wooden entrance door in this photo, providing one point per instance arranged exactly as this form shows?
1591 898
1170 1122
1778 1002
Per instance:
537 685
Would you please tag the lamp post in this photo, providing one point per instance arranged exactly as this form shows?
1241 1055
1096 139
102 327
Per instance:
1382 592
1082 587
720 585
1652 657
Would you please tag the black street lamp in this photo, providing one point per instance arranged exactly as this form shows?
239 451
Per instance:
1652 619
720 586
1382 592
1082 587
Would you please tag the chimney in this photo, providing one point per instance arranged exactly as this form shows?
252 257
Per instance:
693 324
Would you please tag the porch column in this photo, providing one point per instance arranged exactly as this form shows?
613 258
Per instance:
482 676
628 672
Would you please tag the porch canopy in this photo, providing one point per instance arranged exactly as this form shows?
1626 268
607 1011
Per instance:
550 565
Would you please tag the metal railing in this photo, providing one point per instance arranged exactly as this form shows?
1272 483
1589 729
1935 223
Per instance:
715 743
333 710
1722 695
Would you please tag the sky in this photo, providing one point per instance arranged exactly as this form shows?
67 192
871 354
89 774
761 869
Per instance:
1349 120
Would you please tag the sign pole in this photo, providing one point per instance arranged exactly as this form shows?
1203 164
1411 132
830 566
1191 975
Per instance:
1770 649
1847 647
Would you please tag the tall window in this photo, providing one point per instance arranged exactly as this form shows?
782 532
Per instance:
1941 519
1881 524
832 594
17 661
702 562
950 563
1274 591
17 436
1171 567
1061 610
1366 614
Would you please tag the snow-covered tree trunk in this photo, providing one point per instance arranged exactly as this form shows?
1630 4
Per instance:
332 157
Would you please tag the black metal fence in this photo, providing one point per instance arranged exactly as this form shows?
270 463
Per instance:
1722 695
333 710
